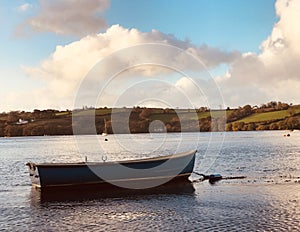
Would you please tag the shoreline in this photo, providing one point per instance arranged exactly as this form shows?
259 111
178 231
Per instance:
287 134
144 120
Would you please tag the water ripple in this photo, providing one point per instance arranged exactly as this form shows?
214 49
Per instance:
267 200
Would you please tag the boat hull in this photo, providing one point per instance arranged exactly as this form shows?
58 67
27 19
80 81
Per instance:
136 174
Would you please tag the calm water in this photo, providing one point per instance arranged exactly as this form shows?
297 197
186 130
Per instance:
267 200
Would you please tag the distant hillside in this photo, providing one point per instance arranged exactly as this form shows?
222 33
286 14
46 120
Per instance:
270 116
287 118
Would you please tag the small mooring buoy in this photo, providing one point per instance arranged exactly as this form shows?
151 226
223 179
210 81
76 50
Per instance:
214 177
211 178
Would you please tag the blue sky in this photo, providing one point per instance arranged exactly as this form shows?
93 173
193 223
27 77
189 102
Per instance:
233 24
224 25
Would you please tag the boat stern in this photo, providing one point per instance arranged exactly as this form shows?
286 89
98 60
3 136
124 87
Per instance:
34 175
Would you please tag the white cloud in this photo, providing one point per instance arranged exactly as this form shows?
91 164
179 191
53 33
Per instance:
274 74
67 17
68 65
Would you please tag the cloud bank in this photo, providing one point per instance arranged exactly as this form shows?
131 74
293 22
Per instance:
274 74
68 65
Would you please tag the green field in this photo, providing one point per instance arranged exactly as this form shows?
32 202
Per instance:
188 115
213 114
97 112
269 116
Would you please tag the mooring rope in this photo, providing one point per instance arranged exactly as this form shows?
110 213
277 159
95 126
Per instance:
216 177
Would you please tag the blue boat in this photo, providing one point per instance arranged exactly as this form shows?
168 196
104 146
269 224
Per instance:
130 174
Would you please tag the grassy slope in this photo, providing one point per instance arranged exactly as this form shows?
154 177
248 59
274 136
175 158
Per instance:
269 116
188 115
256 117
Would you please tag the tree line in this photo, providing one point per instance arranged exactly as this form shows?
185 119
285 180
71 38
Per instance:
144 120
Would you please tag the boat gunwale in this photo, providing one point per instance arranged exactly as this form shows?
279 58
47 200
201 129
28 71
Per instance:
153 159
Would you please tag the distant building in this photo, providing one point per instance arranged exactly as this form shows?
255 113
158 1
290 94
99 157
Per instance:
21 122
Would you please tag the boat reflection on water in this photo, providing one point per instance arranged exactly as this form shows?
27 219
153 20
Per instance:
39 196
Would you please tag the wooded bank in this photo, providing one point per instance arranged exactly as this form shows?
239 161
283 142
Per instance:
270 116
